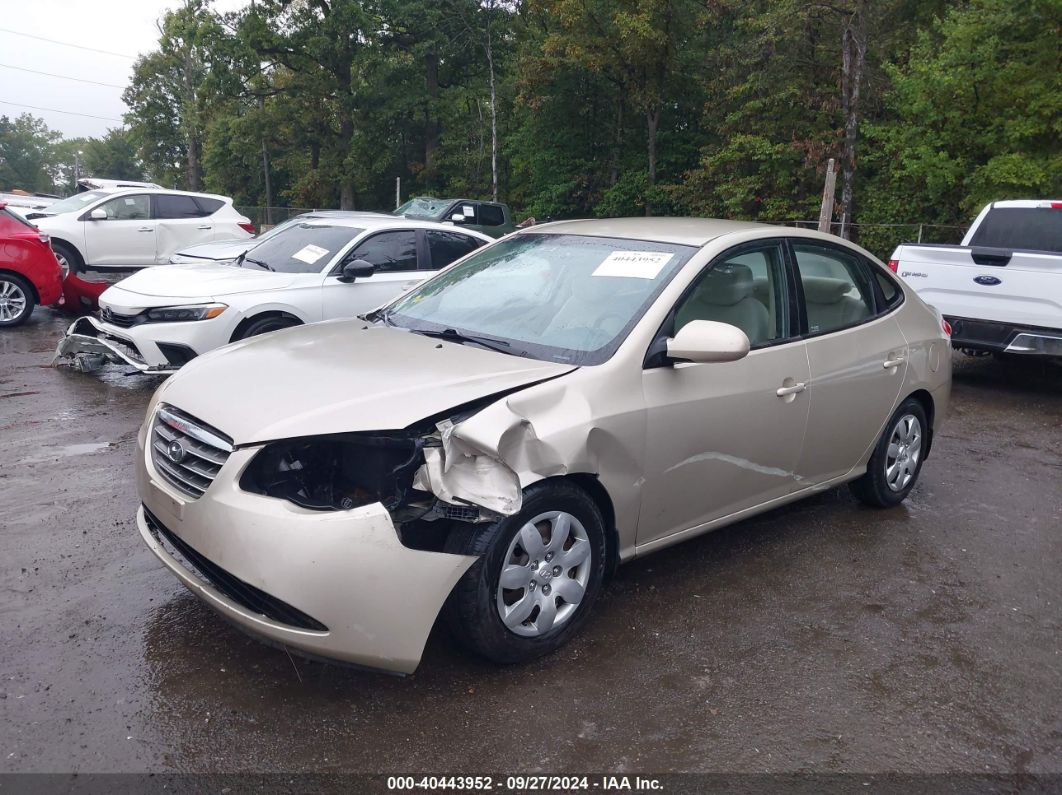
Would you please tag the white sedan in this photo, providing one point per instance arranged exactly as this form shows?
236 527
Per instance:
161 318
135 227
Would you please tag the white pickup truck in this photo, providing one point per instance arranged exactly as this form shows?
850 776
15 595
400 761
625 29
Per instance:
1001 288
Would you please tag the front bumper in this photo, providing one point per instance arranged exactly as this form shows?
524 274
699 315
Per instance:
345 571
89 342
989 335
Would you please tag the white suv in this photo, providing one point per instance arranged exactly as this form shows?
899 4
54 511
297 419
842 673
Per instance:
136 227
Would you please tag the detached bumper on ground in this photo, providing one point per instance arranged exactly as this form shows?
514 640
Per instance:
342 587
989 335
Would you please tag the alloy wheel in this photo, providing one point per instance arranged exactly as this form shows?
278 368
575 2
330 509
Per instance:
904 452
12 301
544 574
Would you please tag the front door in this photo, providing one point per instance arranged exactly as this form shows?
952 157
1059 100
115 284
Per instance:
126 237
858 359
722 437
396 255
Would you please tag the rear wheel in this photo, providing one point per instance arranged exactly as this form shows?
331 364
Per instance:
16 300
537 575
897 460
264 325
69 260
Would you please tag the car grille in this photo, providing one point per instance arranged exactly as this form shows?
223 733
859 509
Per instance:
187 453
108 315
242 593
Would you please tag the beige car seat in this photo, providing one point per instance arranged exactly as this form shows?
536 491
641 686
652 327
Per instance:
725 294
829 305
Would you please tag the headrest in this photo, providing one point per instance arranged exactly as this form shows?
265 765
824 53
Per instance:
726 284
824 290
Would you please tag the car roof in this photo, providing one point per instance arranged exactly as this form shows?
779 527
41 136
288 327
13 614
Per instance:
681 231
127 191
373 222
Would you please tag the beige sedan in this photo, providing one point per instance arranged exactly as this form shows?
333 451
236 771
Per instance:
495 440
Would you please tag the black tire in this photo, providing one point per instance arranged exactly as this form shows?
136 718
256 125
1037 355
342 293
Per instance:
263 325
874 488
17 300
73 259
472 611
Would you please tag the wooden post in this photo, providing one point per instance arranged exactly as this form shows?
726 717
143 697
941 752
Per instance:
398 192
826 213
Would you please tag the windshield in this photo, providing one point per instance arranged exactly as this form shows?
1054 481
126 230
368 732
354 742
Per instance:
564 298
301 248
424 206
76 202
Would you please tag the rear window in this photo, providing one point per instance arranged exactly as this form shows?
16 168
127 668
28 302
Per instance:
208 206
18 219
1033 228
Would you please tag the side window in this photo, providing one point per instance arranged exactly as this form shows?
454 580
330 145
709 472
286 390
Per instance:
469 211
746 290
208 206
445 247
491 215
837 287
168 205
390 251
889 289
127 208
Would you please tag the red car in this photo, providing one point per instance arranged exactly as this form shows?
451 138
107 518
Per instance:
29 272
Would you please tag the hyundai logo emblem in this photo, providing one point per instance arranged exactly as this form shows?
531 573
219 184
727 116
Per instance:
175 452
988 281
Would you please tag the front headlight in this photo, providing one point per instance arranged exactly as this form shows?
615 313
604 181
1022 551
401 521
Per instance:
179 314
337 473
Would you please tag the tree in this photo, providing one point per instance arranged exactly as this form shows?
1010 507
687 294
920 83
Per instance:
176 89
26 153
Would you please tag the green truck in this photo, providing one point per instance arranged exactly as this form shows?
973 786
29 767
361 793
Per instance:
490 218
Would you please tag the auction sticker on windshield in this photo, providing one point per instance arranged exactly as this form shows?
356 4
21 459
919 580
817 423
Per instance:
309 254
634 264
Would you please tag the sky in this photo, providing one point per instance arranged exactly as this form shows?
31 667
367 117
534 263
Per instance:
122 29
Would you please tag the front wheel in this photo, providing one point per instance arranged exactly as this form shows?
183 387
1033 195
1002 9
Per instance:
16 300
68 259
264 325
897 460
537 576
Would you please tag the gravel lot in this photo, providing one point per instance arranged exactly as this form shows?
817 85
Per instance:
820 637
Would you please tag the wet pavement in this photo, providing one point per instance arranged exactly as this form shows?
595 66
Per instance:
821 637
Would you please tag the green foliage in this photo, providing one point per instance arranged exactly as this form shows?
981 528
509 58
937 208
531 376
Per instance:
26 149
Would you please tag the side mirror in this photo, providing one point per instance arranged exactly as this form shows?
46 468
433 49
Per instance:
99 214
356 269
708 341
458 218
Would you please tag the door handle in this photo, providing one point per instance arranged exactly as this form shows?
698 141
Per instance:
205 227
791 390
146 229
895 361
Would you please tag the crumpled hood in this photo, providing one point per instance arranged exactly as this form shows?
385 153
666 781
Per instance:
338 377
219 250
208 280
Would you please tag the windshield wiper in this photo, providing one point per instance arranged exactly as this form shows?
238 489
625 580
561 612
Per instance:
453 335
259 263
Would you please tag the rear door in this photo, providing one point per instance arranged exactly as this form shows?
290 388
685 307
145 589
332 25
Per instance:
126 237
857 353
401 259
180 222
